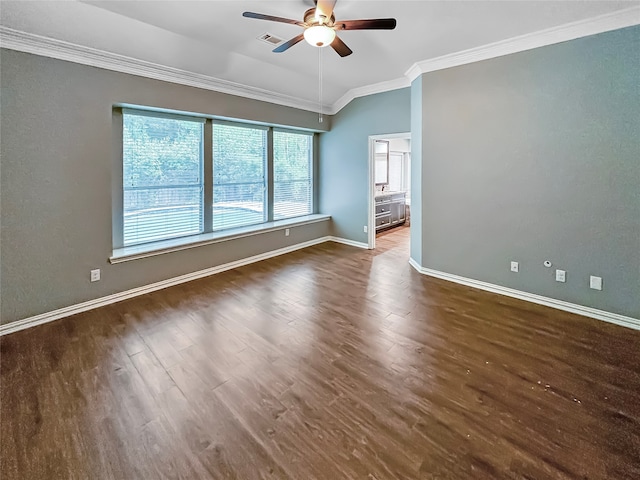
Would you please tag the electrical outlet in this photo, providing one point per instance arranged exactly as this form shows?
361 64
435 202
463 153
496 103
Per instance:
595 282
515 267
561 276
95 275
286 232
366 229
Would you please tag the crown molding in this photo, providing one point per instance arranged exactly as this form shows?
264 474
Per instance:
59 49
381 87
49 47
415 70
569 31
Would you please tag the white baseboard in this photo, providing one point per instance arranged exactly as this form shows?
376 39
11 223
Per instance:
346 241
134 292
622 320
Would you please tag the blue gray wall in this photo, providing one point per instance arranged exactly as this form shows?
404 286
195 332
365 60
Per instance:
344 157
56 182
536 156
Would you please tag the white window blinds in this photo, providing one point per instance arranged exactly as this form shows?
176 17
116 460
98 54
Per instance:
292 172
174 187
239 159
162 178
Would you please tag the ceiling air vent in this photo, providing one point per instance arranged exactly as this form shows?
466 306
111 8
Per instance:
271 39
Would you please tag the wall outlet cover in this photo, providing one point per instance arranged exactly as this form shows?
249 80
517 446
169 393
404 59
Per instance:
561 276
95 275
595 282
515 267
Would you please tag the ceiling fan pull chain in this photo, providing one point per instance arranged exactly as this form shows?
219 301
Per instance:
320 118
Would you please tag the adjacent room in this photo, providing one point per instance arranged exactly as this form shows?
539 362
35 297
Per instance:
320 239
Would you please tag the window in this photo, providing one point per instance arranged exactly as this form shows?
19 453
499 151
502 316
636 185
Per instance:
292 178
396 172
174 187
162 178
239 190
399 172
381 151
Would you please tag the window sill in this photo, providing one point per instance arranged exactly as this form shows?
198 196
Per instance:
127 254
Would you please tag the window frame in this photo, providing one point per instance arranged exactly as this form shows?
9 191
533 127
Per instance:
200 185
266 176
208 233
312 171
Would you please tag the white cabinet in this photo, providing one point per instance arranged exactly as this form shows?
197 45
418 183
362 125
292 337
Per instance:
390 210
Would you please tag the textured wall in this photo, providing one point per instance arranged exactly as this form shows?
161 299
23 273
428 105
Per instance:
344 157
56 182
536 156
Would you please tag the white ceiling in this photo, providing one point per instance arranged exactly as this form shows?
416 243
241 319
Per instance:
212 38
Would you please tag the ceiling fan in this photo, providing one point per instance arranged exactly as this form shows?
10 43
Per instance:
320 27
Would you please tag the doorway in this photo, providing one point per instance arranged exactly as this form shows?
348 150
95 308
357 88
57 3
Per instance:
395 180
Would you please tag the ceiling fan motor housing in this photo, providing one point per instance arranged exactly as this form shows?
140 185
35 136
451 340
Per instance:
311 20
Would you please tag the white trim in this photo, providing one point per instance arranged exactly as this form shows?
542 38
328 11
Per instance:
371 194
371 216
346 241
381 87
415 71
134 292
49 47
569 31
170 282
562 33
610 317
174 245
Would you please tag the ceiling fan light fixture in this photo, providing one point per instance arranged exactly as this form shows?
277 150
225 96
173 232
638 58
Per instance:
319 35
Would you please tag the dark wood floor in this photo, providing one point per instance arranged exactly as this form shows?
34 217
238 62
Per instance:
330 363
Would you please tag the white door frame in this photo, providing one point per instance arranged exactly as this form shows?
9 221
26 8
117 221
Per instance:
371 227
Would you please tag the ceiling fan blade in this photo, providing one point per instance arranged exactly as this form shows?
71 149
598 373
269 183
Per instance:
271 18
340 47
289 44
372 24
325 7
